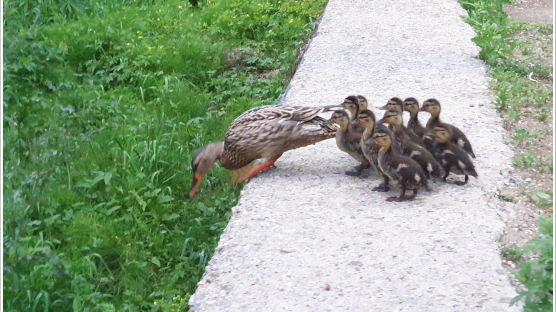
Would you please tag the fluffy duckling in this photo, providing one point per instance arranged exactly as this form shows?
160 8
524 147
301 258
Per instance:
367 120
432 106
363 103
348 141
393 104
411 105
409 146
395 120
400 168
351 104
452 156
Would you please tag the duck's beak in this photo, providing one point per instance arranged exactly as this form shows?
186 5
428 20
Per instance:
380 122
197 179
385 107
422 109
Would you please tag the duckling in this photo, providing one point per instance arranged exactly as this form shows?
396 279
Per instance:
348 141
363 103
393 104
351 104
394 166
432 106
262 132
452 156
410 147
367 120
411 105
395 120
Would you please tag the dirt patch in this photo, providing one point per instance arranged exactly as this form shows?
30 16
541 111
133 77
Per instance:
531 11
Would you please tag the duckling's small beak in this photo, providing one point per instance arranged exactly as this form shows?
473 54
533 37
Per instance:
385 107
197 179
380 121
422 109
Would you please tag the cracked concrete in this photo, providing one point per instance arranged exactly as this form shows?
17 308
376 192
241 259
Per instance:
306 237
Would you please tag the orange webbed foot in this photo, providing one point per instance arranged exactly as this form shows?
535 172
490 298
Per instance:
257 168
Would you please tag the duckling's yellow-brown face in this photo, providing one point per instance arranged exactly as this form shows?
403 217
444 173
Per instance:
351 106
363 103
340 118
393 117
382 139
411 105
431 106
366 119
441 134
393 104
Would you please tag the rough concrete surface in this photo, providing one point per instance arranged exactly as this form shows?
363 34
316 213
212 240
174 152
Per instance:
306 237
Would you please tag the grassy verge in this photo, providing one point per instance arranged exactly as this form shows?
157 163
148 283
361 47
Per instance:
104 104
519 57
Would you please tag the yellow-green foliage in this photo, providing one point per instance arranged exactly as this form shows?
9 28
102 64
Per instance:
105 102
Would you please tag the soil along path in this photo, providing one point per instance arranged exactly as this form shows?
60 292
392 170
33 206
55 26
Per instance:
306 237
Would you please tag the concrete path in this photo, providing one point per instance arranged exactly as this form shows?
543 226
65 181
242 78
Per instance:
305 237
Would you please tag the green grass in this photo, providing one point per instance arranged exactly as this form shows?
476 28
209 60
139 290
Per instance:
104 104
517 94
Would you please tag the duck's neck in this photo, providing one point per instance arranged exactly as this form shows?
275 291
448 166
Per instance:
397 127
435 116
353 114
340 134
367 132
216 152
413 116
381 152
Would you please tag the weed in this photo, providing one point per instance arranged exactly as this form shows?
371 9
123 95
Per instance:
522 136
525 159
543 198
543 114
536 275
508 198
511 252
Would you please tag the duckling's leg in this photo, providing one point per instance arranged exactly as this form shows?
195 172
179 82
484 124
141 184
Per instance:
463 183
427 188
446 172
412 197
399 198
262 166
356 171
384 186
